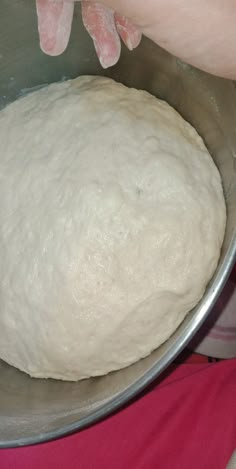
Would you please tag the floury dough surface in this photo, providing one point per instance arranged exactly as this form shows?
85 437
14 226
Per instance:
112 218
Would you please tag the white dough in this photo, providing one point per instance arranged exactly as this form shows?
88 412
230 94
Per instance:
112 217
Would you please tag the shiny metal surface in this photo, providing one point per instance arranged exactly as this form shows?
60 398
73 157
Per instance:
37 410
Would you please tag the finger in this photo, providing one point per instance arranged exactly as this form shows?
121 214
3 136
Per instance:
129 33
54 25
100 24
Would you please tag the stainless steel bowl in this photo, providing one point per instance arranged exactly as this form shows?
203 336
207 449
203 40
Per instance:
34 410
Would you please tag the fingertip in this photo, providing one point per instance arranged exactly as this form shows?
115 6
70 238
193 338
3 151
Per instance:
54 25
128 32
108 56
100 24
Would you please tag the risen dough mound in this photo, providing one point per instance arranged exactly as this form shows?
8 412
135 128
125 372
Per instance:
112 218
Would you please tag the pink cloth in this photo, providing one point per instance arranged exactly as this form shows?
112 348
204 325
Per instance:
187 420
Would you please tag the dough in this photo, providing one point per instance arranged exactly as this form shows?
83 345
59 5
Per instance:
112 218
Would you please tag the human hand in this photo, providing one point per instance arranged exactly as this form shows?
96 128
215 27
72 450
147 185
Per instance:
200 32
103 25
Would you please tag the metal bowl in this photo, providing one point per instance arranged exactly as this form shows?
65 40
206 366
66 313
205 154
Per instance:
34 410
